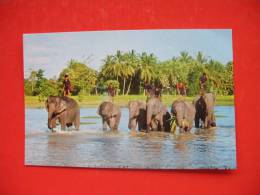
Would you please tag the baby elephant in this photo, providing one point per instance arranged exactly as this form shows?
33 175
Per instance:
137 115
184 112
110 114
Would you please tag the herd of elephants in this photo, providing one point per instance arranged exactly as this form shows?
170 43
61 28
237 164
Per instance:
146 116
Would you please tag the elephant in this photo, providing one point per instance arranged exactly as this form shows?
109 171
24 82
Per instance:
137 115
204 105
184 112
64 109
157 117
110 114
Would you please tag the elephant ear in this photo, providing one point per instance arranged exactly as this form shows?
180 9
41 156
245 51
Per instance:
61 106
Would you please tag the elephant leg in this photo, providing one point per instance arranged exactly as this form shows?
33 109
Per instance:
62 119
63 126
213 121
141 124
206 121
197 121
77 121
132 124
112 123
53 122
190 125
161 125
154 125
117 120
104 123
149 123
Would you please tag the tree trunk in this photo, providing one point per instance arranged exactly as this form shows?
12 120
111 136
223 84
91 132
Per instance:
124 87
129 86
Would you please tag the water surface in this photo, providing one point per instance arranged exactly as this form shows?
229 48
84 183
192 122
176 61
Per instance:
93 147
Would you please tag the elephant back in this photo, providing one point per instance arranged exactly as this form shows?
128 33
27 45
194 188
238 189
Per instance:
154 106
70 103
108 109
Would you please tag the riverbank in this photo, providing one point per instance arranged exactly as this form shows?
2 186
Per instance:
122 100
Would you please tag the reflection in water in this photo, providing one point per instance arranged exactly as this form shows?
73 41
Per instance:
92 147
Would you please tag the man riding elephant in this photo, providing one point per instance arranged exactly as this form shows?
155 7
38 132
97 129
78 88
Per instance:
63 109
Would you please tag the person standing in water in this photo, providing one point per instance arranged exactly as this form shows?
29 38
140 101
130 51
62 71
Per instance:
66 85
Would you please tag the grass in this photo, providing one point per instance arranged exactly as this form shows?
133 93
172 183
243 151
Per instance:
87 123
90 117
220 116
122 100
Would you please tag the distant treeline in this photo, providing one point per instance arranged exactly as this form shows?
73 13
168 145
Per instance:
128 71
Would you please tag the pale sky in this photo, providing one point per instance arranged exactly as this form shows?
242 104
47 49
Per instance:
52 51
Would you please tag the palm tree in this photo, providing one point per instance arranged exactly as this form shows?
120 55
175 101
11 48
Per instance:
118 64
32 79
185 57
127 69
147 63
133 62
111 67
146 67
200 58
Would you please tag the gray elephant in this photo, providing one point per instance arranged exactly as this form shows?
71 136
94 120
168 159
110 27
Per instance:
110 114
65 110
157 118
184 112
137 115
204 106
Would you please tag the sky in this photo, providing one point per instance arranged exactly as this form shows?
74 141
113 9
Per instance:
52 51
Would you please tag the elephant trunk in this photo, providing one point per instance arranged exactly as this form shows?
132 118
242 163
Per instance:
49 120
132 123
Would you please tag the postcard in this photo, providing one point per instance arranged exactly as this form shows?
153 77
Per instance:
137 99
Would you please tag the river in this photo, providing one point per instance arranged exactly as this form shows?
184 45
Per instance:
93 147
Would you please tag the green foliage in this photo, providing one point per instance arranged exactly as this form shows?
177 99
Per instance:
83 78
193 80
47 88
80 96
128 71
28 87
112 83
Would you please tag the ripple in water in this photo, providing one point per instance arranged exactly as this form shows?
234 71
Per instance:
92 147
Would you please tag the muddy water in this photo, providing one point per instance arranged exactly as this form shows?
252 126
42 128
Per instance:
92 147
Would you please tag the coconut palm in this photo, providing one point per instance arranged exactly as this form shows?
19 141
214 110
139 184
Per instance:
146 67
128 69
200 58
184 57
112 66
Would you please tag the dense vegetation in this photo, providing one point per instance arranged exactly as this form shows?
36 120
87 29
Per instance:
127 71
